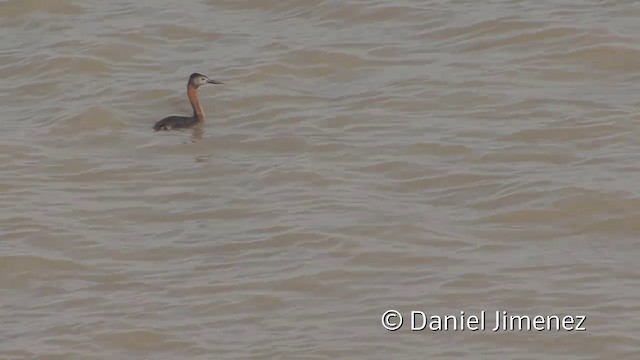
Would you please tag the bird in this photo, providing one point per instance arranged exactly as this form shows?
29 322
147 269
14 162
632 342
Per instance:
184 122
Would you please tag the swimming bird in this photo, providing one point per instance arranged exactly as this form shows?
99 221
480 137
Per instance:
183 122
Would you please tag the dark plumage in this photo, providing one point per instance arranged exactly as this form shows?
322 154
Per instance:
176 122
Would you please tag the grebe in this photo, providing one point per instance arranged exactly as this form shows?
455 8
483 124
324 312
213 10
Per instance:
183 122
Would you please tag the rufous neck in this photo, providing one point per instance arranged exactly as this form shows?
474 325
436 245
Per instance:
192 93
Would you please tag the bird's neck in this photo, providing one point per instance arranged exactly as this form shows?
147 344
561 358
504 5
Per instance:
192 93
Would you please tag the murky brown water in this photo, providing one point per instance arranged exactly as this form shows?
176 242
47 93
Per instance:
436 156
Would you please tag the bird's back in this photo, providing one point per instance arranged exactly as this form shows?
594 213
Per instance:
175 122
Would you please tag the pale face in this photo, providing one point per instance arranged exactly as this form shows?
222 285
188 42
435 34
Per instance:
198 80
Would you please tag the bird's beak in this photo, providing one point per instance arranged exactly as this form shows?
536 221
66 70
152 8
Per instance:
210 81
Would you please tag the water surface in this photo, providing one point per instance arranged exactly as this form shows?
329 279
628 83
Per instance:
438 156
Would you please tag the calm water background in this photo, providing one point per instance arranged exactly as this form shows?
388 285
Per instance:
362 156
